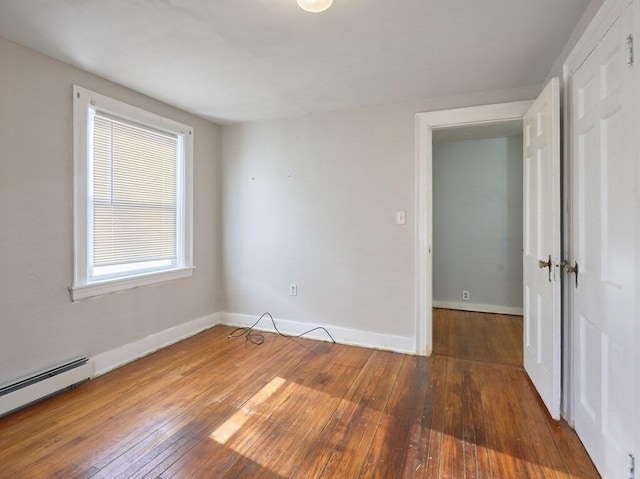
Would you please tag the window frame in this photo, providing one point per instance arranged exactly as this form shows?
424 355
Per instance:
85 103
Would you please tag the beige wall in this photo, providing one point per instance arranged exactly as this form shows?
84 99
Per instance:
312 200
39 325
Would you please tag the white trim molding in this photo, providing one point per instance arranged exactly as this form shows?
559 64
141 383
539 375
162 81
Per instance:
120 284
348 336
109 360
425 124
478 308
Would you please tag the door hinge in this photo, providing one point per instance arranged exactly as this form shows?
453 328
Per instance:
629 46
632 467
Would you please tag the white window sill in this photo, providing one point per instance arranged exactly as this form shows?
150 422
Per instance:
100 288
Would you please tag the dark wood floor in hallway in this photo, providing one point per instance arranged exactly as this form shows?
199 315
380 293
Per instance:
211 407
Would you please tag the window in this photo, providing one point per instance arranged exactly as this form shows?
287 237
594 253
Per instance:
132 196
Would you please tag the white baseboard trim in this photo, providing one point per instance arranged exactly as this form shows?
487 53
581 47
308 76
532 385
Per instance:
109 360
352 337
479 308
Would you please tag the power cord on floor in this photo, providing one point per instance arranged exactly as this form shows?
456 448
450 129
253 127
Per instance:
258 338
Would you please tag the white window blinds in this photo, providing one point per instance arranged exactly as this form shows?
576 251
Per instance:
134 207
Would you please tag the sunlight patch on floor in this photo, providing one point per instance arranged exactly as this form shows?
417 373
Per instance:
228 428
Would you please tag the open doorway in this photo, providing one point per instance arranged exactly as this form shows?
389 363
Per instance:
541 225
490 116
477 178
477 218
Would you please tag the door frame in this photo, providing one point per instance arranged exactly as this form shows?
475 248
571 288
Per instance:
425 124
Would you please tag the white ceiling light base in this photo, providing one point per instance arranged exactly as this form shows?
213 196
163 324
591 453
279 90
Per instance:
314 6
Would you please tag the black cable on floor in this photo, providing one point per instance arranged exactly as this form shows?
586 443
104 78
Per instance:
258 338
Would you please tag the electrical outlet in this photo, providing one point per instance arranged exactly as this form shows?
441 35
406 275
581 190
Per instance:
293 290
465 296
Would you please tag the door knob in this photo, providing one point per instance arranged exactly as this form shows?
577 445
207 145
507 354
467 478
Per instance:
546 264
570 269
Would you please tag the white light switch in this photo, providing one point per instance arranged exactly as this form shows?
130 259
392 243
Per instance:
401 217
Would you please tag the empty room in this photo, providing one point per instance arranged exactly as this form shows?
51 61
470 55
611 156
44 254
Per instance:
319 238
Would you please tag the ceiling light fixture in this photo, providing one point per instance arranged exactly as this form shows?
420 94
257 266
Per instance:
314 6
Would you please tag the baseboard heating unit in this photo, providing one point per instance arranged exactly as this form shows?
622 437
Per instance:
38 386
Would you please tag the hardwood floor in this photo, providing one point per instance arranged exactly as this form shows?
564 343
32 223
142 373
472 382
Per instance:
210 407
492 338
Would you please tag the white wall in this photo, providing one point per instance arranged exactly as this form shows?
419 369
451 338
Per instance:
39 326
311 200
477 221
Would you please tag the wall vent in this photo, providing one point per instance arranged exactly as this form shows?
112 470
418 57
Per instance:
38 386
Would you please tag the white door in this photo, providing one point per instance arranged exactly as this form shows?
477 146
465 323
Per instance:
604 139
542 246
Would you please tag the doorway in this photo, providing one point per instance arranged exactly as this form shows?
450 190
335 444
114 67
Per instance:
426 123
541 229
477 179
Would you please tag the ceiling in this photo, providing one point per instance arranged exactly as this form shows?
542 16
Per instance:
242 60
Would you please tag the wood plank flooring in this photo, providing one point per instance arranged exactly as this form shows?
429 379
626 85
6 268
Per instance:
211 407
